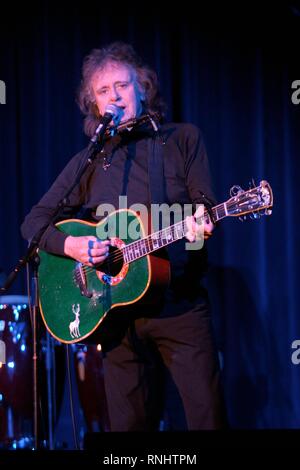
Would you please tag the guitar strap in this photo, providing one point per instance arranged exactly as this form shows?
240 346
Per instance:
156 170
156 190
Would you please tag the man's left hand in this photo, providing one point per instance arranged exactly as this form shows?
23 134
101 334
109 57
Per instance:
195 230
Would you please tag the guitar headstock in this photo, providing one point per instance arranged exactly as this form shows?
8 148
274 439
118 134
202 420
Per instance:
256 201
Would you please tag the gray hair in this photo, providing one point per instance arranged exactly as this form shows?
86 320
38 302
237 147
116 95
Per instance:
125 54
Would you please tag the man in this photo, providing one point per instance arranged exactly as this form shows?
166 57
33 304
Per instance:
178 326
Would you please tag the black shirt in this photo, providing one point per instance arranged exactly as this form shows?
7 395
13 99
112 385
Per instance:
186 177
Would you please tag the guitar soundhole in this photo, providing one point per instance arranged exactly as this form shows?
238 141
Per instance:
114 262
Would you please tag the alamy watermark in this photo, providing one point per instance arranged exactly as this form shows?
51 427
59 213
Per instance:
2 92
2 352
296 94
163 218
295 357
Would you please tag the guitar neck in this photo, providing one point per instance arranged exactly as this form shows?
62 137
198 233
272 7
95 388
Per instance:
166 236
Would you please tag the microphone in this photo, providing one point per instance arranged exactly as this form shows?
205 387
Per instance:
112 112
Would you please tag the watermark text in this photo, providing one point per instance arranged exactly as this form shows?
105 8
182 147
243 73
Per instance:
295 357
163 223
2 352
296 94
2 92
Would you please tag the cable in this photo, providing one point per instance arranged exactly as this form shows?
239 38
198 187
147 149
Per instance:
74 425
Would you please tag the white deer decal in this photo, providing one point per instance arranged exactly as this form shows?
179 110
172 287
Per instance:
74 325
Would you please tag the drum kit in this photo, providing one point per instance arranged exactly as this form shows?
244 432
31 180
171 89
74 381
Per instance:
16 378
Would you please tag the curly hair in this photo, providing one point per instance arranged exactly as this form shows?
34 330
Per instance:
97 59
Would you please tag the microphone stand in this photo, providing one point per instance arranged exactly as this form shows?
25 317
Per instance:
35 305
95 146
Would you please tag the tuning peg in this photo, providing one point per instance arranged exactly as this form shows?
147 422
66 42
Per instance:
242 218
236 190
255 215
268 211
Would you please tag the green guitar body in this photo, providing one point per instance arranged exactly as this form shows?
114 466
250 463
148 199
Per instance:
72 317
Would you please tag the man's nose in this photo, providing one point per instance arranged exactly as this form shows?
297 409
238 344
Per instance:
115 96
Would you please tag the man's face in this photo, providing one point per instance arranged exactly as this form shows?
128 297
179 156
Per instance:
116 84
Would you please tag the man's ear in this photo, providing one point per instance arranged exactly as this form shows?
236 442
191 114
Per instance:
142 92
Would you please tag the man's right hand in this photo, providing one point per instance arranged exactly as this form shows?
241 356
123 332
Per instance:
87 250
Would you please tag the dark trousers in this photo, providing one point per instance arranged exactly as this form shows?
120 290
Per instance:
185 345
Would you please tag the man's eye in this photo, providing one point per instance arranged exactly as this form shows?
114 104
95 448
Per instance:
123 85
103 92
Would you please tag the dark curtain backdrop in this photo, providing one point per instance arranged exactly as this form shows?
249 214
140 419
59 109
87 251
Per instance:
230 73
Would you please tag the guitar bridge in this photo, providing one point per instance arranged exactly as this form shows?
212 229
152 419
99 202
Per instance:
80 280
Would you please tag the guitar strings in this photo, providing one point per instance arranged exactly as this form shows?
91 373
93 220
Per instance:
116 257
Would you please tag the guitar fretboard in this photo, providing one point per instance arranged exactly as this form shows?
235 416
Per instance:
166 236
